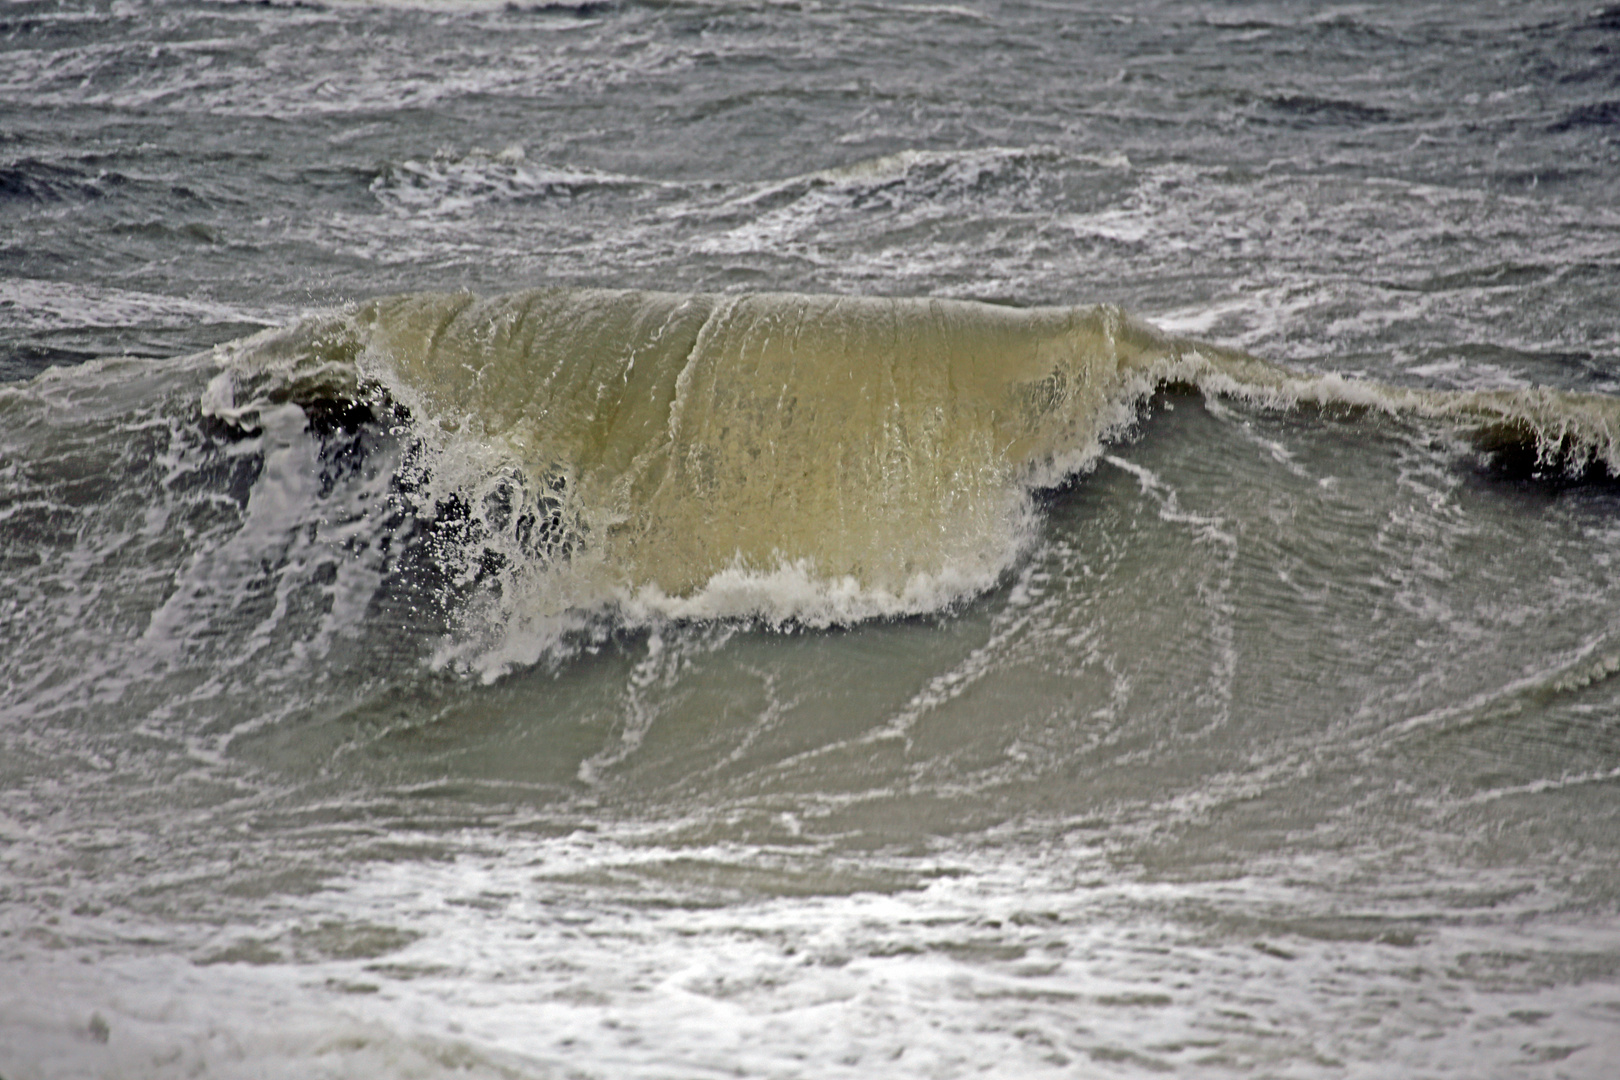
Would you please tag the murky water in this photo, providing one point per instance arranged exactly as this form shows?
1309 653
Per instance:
362 717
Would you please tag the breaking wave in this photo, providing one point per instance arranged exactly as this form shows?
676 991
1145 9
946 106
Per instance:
794 459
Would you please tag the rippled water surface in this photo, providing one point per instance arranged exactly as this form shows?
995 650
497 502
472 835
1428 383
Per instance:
1282 738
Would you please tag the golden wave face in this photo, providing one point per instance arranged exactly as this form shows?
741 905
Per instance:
870 439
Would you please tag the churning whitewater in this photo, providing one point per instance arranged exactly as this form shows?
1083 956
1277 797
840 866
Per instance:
632 539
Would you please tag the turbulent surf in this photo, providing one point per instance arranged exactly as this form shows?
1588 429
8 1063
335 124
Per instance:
694 538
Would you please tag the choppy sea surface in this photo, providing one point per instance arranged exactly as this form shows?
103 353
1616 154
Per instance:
795 539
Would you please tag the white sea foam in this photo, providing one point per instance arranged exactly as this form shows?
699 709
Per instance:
34 305
1035 963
